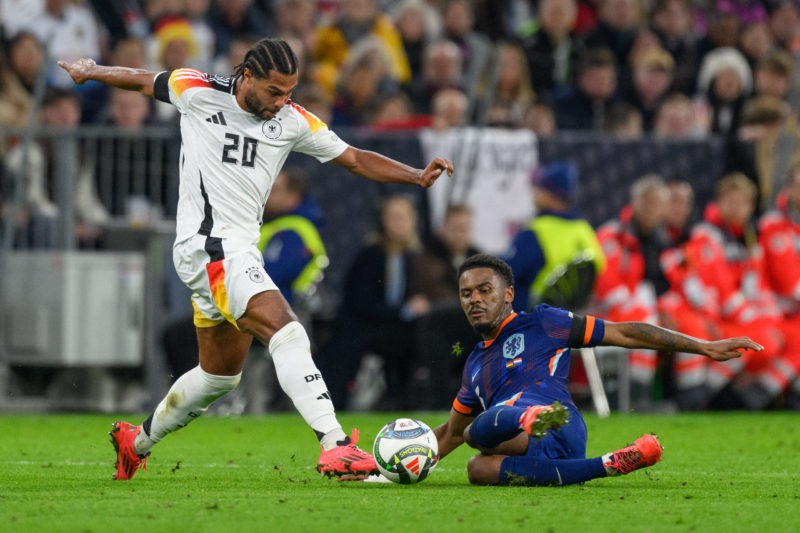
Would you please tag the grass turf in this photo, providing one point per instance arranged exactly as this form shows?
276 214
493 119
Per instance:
719 472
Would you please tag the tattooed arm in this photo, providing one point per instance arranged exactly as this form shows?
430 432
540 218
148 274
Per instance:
642 335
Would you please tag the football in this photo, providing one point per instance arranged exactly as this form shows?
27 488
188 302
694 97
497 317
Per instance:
406 451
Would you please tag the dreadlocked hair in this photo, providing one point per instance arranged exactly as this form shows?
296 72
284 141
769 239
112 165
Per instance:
266 55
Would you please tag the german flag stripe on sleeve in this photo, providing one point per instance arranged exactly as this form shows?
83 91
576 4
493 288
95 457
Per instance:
186 78
313 121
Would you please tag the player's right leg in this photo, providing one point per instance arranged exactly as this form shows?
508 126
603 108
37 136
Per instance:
223 350
645 451
271 320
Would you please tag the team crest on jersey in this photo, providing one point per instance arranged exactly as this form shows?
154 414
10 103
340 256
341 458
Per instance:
255 275
272 129
514 345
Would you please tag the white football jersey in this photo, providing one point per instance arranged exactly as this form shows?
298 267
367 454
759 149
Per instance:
230 157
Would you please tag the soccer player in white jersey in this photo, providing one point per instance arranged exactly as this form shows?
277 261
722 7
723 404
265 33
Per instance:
237 133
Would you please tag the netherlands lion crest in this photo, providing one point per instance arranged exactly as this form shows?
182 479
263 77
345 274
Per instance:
514 345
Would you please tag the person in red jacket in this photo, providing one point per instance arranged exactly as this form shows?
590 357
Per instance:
627 290
720 275
674 310
779 235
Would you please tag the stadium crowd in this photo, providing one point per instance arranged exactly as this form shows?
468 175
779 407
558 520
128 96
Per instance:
670 69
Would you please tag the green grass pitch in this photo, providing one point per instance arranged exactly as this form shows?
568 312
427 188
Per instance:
725 472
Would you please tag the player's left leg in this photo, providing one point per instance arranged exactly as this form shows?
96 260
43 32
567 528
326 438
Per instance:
535 468
270 319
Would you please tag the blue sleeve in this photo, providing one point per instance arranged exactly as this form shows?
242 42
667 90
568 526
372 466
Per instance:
568 330
285 256
466 402
526 259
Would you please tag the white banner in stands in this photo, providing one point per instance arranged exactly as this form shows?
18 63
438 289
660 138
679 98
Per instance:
492 175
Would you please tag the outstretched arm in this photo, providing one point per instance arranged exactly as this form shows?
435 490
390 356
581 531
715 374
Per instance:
131 79
451 434
643 335
377 167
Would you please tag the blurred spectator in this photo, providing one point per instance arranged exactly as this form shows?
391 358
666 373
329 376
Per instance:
17 15
784 21
585 105
15 101
632 281
419 24
377 308
616 29
230 18
554 238
778 230
60 110
724 279
132 166
769 124
550 48
679 213
458 20
540 119
756 42
723 31
434 278
449 109
294 254
365 79
441 70
679 118
624 121
434 269
69 32
296 19
645 41
128 109
127 52
173 44
652 79
227 63
672 22
507 94
26 59
725 80
357 19
773 75
196 12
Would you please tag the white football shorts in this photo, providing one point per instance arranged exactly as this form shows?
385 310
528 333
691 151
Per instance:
220 288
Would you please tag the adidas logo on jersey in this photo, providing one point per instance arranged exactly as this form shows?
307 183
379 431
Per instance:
324 396
217 118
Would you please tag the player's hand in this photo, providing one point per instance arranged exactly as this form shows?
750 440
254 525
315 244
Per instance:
729 348
434 170
80 70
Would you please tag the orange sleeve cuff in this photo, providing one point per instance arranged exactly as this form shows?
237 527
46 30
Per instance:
461 408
